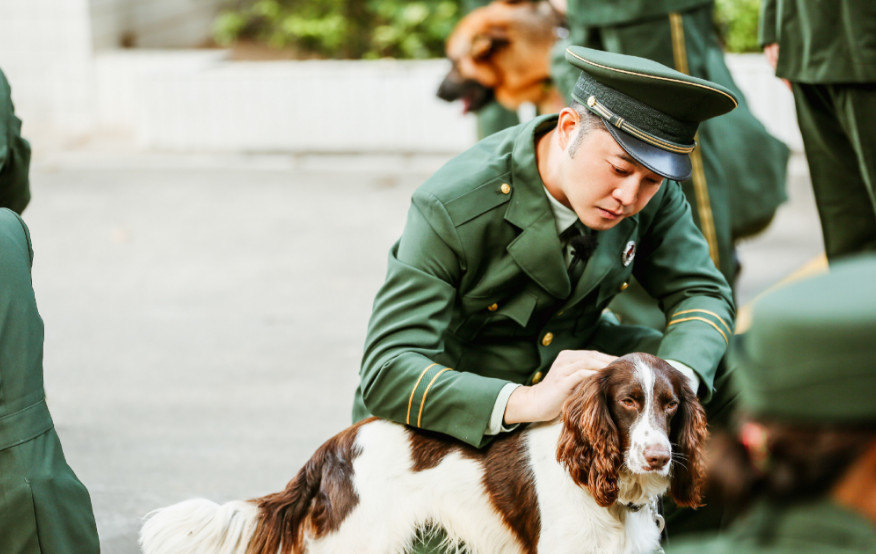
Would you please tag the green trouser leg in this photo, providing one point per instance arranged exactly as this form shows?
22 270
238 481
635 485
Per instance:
836 122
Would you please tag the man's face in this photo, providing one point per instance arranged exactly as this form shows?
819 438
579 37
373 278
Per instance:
602 183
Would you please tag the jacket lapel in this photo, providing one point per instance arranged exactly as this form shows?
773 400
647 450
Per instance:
537 249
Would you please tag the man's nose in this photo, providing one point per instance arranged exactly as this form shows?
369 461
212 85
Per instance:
626 193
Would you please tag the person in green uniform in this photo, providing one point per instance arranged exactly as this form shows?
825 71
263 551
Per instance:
827 52
739 170
490 315
804 465
44 508
14 155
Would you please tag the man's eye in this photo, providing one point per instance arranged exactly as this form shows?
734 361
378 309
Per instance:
619 171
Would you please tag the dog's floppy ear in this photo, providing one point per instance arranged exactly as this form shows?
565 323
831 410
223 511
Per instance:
589 444
689 434
486 43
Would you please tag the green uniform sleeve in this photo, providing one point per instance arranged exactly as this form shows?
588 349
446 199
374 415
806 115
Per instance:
405 375
767 27
674 266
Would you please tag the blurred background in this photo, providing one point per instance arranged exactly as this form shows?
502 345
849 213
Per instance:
215 188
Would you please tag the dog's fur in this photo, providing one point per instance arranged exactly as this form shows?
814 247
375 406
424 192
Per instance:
502 50
587 482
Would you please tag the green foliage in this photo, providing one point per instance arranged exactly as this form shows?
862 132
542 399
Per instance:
737 24
367 29
341 28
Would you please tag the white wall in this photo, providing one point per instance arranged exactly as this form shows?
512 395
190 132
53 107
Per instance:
70 84
198 100
46 55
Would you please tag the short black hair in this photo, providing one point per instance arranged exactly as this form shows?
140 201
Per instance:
589 122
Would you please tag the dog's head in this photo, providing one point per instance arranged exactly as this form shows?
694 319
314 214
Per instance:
638 414
501 50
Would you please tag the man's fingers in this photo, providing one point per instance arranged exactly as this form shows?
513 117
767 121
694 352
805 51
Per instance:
576 359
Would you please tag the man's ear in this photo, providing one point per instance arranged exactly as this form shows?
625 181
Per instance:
567 126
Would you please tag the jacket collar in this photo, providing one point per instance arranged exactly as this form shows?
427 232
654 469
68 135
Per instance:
537 249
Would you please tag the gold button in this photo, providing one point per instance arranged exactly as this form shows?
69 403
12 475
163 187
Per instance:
560 312
493 307
624 287
547 339
505 188
536 379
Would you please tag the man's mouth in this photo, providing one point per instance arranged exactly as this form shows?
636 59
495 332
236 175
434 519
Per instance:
608 214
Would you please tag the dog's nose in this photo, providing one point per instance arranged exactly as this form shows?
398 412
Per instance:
656 456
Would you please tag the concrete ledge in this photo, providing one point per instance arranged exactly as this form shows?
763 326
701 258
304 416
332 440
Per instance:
198 100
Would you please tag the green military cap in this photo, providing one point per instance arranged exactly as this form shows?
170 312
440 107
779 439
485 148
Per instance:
809 355
652 111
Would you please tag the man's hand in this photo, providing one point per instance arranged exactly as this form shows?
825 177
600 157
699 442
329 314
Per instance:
542 402
771 52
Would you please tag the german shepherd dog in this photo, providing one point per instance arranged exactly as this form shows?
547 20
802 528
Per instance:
502 51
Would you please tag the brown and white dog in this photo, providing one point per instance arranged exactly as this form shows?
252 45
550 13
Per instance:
586 482
502 50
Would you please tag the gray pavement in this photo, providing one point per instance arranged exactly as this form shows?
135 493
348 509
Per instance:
205 314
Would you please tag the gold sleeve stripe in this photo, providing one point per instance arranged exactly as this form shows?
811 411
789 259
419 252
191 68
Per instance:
423 402
710 322
713 314
411 399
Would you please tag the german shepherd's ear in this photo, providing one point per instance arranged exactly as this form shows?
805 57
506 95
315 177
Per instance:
485 44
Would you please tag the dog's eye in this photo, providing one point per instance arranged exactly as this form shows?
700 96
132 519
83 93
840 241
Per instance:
671 406
628 402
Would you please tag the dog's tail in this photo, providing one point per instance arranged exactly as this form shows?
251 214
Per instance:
200 526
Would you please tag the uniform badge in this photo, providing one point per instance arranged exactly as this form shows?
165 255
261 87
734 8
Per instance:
629 253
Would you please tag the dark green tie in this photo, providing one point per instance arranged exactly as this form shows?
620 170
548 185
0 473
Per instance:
582 241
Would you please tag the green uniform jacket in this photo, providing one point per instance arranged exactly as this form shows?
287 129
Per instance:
478 283
822 41
43 506
14 155
820 526
596 13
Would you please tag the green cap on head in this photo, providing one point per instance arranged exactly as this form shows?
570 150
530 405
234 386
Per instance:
652 111
809 355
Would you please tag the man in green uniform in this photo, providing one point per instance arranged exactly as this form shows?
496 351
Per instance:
827 51
739 170
14 155
43 505
484 322
807 382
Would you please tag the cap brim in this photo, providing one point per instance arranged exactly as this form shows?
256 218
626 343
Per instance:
667 164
